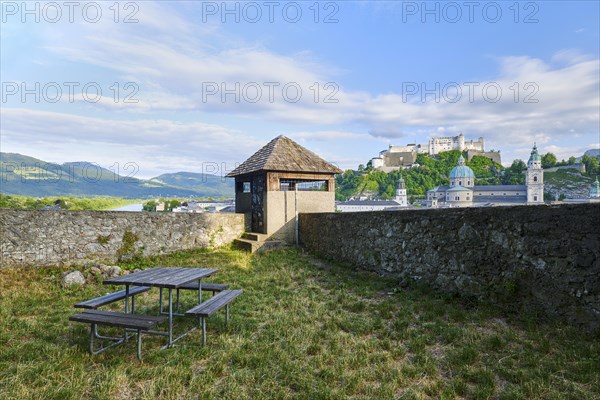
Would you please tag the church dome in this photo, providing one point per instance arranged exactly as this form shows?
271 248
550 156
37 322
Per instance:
461 170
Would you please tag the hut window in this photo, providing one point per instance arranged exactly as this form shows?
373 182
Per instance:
302 185
245 187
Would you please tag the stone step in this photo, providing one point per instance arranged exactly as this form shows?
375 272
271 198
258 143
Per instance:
254 246
260 237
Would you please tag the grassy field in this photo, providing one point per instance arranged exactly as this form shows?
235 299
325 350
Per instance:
69 202
303 329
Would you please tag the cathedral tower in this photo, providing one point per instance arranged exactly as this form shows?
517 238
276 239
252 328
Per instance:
401 193
535 178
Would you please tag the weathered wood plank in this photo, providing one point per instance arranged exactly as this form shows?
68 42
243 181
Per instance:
117 319
214 304
110 298
210 287
167 277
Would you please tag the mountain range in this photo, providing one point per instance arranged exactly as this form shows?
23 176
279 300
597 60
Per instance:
28 176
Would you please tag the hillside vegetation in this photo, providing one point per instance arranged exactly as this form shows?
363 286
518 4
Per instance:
65 203
567 183
432 171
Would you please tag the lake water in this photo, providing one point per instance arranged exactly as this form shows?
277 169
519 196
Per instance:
130 207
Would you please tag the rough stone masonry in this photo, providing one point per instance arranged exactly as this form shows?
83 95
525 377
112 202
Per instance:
545 259
40 238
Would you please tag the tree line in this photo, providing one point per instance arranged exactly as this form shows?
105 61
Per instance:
64 202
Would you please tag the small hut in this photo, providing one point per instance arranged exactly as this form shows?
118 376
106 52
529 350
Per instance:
279 181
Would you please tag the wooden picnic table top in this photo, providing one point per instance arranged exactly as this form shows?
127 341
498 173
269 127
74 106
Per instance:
166 277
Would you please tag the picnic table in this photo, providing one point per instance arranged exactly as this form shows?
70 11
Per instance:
169 278
164 278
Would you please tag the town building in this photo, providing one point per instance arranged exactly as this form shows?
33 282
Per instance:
463 192
203 206
400 202
402 157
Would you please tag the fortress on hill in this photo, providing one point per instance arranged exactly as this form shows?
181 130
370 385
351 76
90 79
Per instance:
402 157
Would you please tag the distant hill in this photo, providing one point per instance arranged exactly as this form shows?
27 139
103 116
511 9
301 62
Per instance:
218 186
28 176
591 153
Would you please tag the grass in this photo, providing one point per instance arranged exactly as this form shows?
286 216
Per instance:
568 178
70 202
302 329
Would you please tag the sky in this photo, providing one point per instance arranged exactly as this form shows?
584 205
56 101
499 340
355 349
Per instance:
200 86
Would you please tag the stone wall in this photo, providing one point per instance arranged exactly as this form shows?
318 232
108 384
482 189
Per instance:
39 238
544 259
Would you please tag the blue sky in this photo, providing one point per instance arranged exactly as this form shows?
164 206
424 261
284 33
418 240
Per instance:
392 69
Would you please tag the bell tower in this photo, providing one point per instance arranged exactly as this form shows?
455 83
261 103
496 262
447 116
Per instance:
535 178
401 193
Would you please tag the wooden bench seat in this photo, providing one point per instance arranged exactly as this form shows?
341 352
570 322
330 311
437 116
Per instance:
206 287
209 287
211 306
140 323
112 297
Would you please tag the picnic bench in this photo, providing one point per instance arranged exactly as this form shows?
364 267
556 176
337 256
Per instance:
211 306
112 297
209 287
139 323
167 278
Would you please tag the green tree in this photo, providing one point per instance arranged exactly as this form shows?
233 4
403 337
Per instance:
571 160
515 174
149 206
548 160
591 165
170 205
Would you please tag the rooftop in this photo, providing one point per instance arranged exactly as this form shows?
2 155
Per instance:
459 189
499 188
283 154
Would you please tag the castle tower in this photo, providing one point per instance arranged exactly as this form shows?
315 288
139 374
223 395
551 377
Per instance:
535 178
401 198
459 142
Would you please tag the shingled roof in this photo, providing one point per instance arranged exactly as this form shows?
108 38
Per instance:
283 154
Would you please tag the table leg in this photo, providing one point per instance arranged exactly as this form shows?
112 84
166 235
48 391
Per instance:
126 308
199 291
139 344
199 295
160 301
170 317
92 331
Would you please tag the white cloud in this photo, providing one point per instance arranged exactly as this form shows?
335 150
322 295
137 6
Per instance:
157 146
170 56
